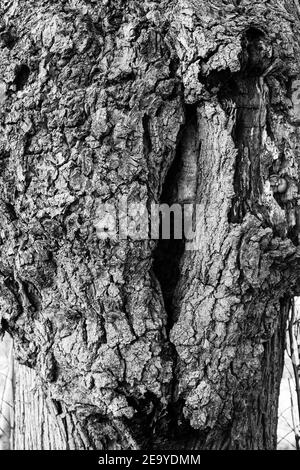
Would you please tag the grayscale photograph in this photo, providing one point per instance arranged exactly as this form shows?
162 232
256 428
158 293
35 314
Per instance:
149 230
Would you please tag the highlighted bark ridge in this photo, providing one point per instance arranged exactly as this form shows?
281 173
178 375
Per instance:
146 344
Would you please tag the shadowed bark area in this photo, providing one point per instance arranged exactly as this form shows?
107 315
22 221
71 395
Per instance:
142 343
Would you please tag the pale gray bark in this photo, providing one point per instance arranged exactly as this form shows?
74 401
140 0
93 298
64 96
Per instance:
6 393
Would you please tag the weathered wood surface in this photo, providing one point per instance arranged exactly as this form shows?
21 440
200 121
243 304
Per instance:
40 422
6 393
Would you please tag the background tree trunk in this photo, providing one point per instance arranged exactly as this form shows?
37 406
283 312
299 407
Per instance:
41 423
6 393
139 343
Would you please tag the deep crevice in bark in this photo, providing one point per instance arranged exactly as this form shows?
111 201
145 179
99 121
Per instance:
148 421
247 137
168 253
21 76
9 38
179 188
250 94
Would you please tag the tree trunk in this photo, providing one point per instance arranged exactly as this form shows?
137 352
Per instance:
41 423
6 393
153 344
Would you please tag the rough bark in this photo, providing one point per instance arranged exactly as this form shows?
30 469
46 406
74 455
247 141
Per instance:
147 344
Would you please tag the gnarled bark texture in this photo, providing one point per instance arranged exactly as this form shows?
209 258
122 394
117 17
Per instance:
144 343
